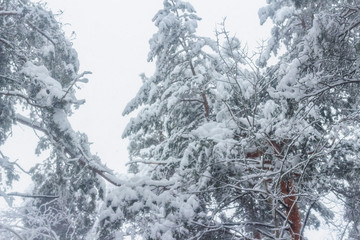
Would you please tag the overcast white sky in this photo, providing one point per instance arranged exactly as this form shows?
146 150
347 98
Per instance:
112 41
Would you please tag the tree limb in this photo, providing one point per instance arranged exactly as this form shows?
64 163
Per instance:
9 13
24 195
20 95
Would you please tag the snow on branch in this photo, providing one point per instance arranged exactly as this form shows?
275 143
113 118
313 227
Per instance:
9 13
85 160
30 123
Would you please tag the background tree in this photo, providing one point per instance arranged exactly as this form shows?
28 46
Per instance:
38 75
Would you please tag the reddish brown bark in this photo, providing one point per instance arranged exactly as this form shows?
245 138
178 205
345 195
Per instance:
257 235
206 105
292 209
287 190
255 154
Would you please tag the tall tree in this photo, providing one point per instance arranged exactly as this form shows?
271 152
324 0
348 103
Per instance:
209 145
176 100
268 143
319 72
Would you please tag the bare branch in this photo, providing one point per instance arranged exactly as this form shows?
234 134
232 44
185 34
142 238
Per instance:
191 100
6 43
146 162
74 82
306 219
349 29
9 13
24 195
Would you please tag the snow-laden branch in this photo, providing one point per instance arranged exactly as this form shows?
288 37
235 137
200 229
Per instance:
83 159
18 13
331 86
87 161
30 123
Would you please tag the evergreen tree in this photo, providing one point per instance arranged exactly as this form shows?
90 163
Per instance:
39 69
176 100
263 156
224 146
208 145
319 75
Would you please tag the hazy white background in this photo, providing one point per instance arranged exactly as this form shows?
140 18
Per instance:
112 41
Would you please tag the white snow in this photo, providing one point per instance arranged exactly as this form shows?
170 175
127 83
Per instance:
283 13
48 50
60 118
269 108
213 130
40 73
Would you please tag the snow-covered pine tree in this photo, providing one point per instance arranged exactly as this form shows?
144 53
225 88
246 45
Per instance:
267 164
39 69
208 146
319 76
221 147
178 98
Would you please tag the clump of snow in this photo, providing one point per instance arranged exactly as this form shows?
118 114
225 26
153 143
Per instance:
60 118
263 14
172 101
269 109
191 26
185 6
50 88
48 50
40 73
213 130
283 13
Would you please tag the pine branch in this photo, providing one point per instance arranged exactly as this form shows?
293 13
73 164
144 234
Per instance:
83 160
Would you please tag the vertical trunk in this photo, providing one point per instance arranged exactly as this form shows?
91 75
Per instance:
292 209
206 105
287 191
